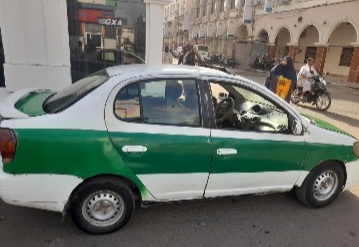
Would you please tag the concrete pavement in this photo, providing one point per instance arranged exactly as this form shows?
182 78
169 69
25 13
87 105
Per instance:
330 79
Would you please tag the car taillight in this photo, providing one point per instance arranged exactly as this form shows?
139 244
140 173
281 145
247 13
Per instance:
8 143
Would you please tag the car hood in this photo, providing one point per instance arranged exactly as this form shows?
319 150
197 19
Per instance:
24 103
326 126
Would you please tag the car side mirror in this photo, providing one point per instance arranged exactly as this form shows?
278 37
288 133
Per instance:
297 127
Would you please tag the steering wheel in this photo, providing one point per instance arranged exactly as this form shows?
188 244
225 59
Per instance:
224 109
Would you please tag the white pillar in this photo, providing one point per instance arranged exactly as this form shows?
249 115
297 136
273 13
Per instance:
154 30
36 44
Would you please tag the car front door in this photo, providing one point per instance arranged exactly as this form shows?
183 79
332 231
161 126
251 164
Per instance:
157 128
254 150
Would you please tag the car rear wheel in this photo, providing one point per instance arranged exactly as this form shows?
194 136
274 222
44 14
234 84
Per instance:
322 185
102 205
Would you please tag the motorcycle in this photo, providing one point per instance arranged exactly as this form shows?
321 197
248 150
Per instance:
318 95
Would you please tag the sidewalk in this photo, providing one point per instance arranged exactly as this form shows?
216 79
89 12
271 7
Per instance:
336 80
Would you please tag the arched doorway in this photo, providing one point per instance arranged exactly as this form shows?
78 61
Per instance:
340 51
263 36
281 41
307 47
242 33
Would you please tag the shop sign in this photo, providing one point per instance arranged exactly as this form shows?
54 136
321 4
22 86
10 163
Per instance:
110 21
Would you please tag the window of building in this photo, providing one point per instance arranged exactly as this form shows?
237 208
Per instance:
204 8
346 56
114 25
310 52
223 6
168 102
213 6
234 4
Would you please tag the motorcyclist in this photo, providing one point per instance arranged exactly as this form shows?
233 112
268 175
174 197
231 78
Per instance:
306 75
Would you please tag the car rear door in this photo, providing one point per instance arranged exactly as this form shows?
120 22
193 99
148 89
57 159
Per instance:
161 136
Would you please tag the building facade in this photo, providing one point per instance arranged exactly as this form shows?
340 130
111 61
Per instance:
41 42
327 30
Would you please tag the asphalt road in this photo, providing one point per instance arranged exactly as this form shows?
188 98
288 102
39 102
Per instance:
277 220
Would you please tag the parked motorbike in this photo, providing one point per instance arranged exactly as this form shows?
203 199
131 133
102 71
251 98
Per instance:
208 61
231 62
318 95
216 59
263 64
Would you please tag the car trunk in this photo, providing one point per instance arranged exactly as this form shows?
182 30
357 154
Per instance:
24 103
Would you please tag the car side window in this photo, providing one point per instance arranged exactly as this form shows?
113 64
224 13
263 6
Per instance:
239 108
127 104
169 102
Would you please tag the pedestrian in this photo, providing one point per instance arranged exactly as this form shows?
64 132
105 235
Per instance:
180 59
306 75
191 56
167 56
282 79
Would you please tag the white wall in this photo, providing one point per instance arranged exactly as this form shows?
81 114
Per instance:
36 45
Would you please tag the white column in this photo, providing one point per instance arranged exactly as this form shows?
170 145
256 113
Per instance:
154 30
36 44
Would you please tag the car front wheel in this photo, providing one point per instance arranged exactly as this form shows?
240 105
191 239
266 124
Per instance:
322 185
102 205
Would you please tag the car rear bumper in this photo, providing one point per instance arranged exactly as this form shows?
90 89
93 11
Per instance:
42 191
352 174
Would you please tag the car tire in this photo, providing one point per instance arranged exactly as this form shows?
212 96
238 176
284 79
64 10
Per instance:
102 205
322 185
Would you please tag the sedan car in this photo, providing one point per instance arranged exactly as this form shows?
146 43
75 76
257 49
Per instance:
152 134
101 59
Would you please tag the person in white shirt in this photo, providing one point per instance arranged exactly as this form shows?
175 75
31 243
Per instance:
167 56
306 74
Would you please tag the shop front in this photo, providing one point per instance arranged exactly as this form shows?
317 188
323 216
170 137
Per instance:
51 44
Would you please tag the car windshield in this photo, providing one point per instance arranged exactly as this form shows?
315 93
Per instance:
70 95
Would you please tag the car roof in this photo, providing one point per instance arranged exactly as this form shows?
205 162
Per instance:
162 69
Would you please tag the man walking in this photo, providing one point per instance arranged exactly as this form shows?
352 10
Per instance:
167 56
191 56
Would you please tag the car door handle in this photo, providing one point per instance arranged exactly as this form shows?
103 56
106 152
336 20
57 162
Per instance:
226 151
134 149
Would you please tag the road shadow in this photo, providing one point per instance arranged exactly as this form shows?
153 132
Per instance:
333 115
270 220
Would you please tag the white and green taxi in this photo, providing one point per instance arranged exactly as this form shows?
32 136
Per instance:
139 133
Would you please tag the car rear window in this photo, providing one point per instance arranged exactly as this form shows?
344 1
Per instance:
73 93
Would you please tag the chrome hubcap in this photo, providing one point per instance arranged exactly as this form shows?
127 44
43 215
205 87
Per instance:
103 208
325 185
